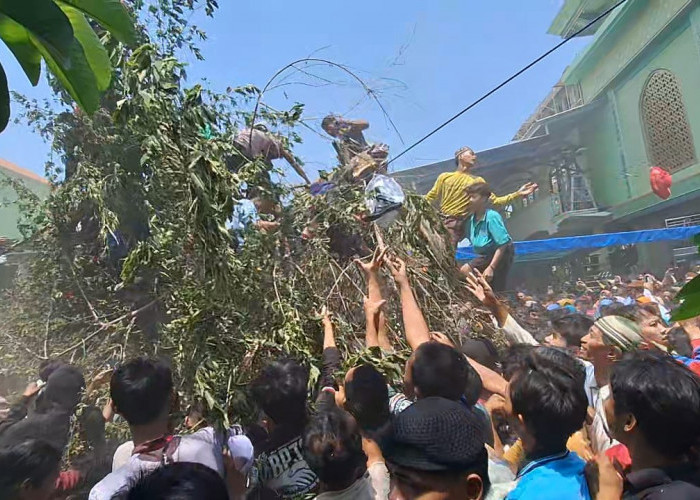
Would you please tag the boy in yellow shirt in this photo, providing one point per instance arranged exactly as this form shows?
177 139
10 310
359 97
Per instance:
451 191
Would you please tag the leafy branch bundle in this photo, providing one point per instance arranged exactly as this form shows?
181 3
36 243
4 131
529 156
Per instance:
130 254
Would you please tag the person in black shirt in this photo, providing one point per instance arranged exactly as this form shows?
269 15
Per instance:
281 392
654 410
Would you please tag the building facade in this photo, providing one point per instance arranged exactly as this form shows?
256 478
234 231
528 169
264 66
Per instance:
10 216
630 101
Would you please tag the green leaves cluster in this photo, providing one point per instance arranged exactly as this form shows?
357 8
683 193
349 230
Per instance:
60 33
689 296
131 255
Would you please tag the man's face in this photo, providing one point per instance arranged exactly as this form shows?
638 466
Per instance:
467 158
653 329
555 340
332 128
533 317
477 202
521 296
592 344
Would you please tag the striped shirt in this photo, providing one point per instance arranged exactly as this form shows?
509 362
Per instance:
450 188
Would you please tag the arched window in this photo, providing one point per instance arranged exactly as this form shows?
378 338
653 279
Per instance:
668 136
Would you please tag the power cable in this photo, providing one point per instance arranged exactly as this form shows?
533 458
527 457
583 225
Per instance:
507 81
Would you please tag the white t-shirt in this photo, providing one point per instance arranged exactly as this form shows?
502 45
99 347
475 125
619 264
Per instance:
203 447
122 455
597 431
374 485
516 334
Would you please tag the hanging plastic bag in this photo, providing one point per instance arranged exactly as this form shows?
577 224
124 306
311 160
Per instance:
382 196
661 182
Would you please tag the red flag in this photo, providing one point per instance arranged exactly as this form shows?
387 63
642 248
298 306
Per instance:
661 182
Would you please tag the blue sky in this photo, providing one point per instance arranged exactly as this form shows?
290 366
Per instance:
426 61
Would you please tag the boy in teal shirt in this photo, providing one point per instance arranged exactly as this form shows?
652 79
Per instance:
489 238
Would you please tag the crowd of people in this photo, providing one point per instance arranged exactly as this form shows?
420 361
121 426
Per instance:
588 398
589 393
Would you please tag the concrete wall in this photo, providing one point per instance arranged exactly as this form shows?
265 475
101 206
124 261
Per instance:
532 219
9 212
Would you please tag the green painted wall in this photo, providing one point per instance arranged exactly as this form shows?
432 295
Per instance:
631 30
603 162
9 213
614 135
673 54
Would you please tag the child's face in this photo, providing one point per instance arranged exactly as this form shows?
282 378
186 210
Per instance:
477 201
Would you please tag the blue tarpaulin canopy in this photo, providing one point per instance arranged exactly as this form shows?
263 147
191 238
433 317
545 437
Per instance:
561 246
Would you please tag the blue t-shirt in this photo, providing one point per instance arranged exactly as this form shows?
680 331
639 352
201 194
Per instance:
487 234
244 214
556 477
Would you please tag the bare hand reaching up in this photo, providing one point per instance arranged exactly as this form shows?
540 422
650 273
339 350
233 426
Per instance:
442 338
398 270
373 265
480 288
373 308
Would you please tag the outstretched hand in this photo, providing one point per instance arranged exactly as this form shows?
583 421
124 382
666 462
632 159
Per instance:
398 270
373 308
480 288
325 315
442 338
375 264
527 189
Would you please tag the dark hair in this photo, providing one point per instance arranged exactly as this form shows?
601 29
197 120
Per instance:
333 448
664 397
514 358
141 390
483 351
177 481
619 309
47 367
63 390
572 328
281 391
648 308
367 397
480 188
328 120
92 426
548 391
31 461
461 150
421 482
680 342
442 371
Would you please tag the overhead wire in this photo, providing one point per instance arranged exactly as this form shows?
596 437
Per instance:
507 81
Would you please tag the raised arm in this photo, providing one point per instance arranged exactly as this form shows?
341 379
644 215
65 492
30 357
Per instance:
359 125
374 296
372 313
480 288
491 381
287 155
524 191
328 333
414 324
